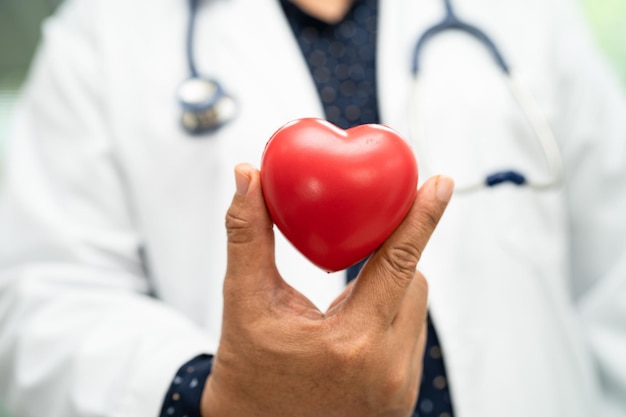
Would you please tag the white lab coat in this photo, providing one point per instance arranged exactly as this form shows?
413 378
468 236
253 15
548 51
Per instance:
112 245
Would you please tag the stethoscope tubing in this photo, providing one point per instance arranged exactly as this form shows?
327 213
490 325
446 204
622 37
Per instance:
219 107
190 36
528 105
539 125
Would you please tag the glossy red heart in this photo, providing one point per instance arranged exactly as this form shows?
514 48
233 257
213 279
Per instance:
337 194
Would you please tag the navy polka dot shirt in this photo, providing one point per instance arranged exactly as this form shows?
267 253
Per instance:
342 61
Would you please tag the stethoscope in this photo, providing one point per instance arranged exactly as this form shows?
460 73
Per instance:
206 106
528 105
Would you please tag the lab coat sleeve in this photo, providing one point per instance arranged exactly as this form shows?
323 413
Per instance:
592 127
79 333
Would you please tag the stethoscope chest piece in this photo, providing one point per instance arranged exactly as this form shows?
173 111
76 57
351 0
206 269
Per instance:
205 105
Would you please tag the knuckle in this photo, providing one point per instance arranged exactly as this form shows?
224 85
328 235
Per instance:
237 228
402 259
395 382
395 390
349 353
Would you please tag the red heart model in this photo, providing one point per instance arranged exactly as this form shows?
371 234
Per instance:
337 194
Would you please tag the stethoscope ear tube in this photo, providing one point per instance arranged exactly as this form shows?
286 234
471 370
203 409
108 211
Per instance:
452 22
543 131
540 127
522 96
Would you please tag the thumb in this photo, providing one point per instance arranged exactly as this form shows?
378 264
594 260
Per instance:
387 275
249 230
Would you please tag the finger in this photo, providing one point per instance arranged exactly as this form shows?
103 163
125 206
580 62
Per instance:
250 233
411 317
384 280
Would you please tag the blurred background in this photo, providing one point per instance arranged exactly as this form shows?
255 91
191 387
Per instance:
20 22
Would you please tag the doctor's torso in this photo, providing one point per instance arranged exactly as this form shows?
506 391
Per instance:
498 265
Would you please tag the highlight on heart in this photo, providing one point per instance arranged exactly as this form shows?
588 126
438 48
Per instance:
337 194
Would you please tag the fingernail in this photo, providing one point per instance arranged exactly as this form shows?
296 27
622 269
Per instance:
242 179
445 188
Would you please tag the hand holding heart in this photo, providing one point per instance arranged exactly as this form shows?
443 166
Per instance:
280 356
